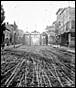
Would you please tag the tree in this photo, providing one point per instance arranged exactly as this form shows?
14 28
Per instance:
3 28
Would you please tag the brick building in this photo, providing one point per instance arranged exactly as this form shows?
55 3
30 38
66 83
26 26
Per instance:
66 26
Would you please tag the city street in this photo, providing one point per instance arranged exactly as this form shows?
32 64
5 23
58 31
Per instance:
37 44
37 66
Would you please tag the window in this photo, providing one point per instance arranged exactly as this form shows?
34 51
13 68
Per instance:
59 23
72 38
73 34
73 24
67 26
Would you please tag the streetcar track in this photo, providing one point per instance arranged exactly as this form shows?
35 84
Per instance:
13 74
40 68
55 66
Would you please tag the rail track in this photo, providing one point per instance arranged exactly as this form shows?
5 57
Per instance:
28 69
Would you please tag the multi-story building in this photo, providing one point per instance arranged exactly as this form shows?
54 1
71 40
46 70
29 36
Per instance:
8 33
66 26
51 34
7 37
13 31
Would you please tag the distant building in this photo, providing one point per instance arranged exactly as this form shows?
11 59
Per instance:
44 38
27 38
19 36
51 34
35 38
66 26
20 33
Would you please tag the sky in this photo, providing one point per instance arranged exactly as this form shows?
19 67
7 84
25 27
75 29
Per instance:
33 15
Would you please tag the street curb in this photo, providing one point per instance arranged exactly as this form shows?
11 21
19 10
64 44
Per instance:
12 47
72 51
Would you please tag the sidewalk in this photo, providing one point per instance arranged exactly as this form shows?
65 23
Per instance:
65 48
12 46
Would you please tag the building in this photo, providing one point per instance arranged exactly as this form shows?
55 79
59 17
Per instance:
7 37
19 36
13 35
27 38
50 30
33 38
44 38
8 33
65 26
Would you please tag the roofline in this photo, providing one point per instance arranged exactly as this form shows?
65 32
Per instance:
64 9
59 10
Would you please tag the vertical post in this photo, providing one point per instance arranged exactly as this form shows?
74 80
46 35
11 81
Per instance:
48 39
14 39
40 39
60 40
30 39
69 38
57 39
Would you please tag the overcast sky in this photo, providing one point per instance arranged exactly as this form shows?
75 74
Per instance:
33 15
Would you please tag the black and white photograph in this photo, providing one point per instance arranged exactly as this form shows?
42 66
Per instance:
37 44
